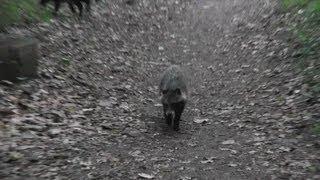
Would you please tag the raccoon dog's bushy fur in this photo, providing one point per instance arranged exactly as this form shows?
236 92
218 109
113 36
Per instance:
173 91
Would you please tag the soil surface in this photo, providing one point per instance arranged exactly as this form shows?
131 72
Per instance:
94 111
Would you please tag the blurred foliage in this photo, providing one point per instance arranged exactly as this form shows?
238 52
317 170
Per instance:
316 128
21 11
65 61
305 24
309 5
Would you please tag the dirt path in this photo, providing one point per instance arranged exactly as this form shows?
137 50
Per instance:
99 118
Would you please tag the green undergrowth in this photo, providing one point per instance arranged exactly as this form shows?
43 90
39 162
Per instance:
305 25
311 5
22 11
316 128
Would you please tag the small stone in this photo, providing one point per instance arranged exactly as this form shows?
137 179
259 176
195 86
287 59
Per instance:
200 121
107 126
300 11
192 144
34 158
245 66
228 142
232 165
88 111
125 106
54 132
146 176
252 152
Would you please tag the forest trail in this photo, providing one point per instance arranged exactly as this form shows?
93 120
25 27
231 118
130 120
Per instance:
99 117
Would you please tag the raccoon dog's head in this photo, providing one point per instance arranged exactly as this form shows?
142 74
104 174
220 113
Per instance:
172 96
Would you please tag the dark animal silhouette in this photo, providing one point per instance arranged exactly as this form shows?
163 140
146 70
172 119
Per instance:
71 3
173 91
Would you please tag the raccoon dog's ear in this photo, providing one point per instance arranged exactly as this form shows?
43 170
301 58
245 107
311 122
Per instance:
177 91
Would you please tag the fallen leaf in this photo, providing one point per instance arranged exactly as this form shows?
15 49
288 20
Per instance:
13 156
208 160
199 121
146 176
158 105
228 142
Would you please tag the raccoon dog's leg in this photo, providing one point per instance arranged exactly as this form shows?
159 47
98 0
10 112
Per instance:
79 5
88 7
167 115
70 3
178 109
57 4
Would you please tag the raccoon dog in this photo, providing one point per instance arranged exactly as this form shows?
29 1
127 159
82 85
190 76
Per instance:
173 91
